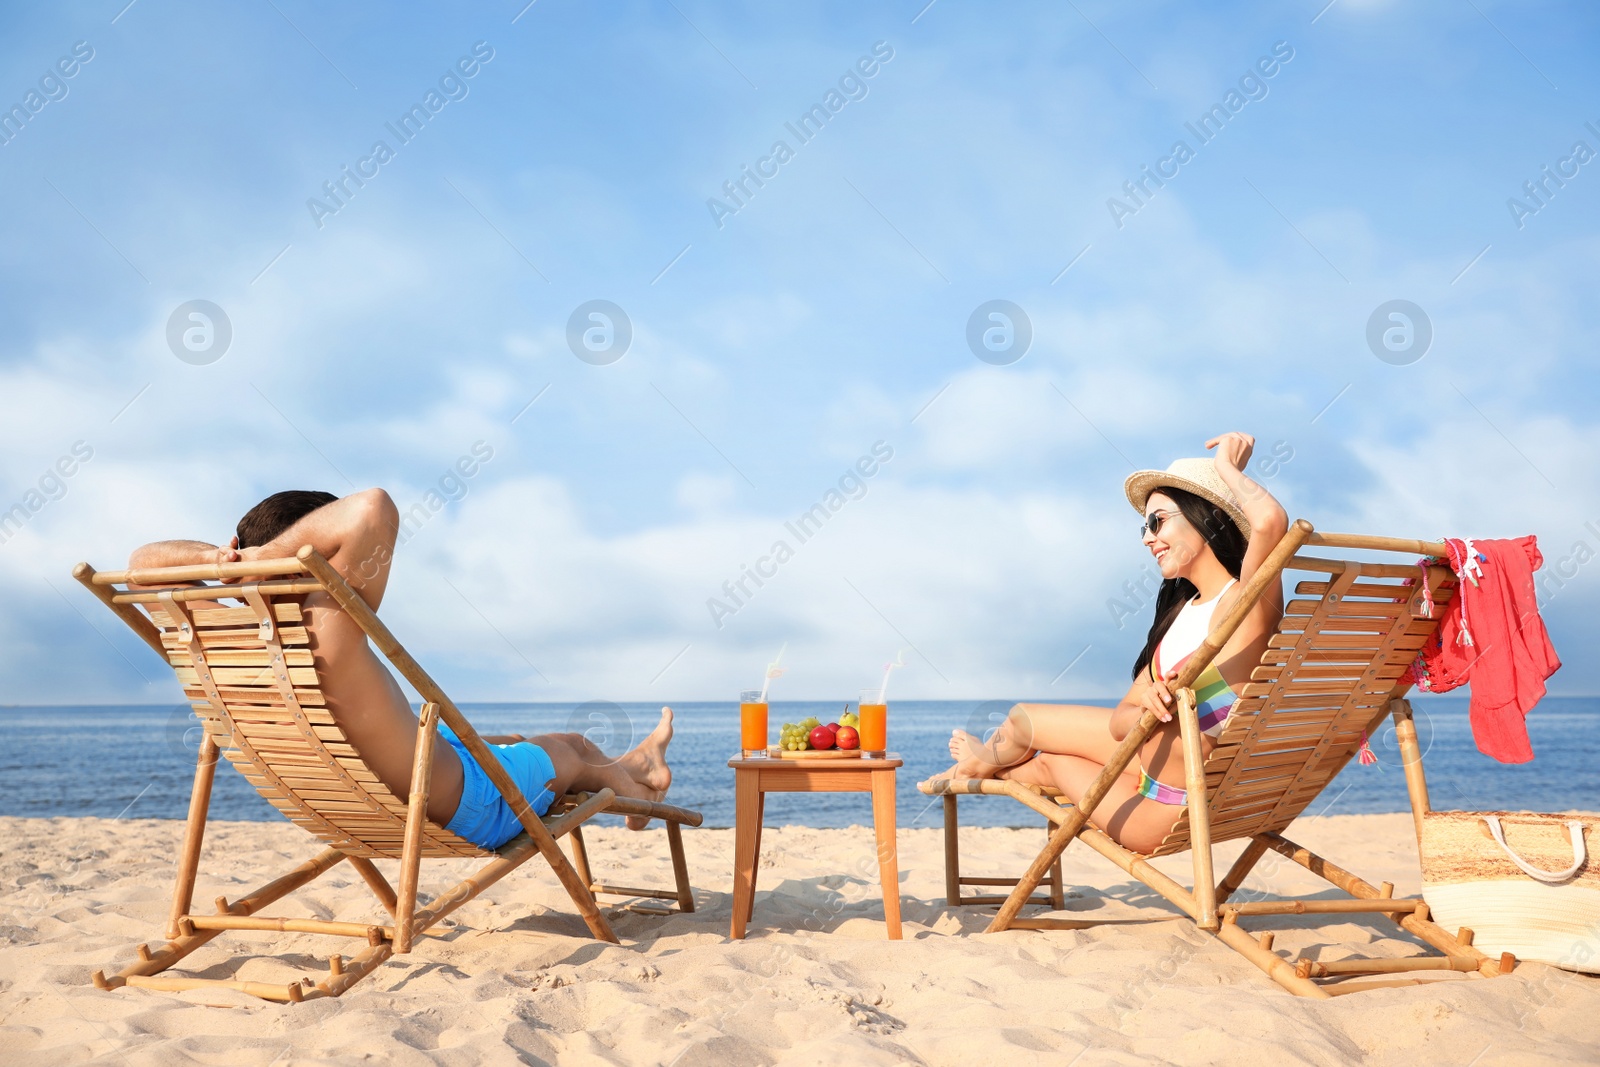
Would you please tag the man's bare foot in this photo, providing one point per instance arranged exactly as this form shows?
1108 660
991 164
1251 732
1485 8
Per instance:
647 765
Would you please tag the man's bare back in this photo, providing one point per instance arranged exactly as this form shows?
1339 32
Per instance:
356 534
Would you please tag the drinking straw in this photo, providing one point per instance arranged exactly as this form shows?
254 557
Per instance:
899 661
773 671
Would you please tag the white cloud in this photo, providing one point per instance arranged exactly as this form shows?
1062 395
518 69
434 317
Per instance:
705 492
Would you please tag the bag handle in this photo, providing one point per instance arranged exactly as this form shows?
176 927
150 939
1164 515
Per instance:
1574 830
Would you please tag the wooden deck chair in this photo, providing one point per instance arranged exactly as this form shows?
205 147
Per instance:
254 685
1331 674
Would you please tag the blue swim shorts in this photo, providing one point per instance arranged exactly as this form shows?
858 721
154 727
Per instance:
483 816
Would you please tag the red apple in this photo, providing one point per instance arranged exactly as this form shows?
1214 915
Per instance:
821 738
847 738
833 727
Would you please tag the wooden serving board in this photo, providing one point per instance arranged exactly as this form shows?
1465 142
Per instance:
813 753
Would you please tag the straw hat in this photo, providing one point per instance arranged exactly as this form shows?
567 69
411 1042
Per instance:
1197 475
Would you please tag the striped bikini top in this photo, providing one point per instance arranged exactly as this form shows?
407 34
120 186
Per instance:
1213 698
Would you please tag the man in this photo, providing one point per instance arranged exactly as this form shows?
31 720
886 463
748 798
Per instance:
356 534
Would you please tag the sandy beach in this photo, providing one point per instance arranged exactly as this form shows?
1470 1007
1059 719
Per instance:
519 981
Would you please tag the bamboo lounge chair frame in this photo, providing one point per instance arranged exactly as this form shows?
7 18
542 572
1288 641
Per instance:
254 685
1333 671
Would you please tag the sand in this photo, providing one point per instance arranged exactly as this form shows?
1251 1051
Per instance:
815 982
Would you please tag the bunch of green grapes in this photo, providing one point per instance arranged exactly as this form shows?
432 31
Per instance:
793 737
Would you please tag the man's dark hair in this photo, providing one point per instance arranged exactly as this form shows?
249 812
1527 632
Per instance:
277 513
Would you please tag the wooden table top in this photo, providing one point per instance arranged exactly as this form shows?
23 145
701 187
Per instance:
887 762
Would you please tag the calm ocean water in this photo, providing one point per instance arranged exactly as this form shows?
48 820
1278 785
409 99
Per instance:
138 761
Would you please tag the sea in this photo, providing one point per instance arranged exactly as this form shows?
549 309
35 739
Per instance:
138 761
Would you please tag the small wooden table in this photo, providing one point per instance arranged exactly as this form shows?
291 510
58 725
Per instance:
754 778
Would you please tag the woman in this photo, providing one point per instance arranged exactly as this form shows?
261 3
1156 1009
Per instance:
1209 527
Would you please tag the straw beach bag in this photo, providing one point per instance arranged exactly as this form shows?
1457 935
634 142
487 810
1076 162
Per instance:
1525 883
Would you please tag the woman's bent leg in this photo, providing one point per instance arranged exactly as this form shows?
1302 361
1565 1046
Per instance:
1069 729
1029 772
1129 818
1063 729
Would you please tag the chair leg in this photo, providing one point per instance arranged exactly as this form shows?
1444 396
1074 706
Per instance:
1405 732
1241 868
194 832
416 819
580 857
1058 894
508 860
680 867
376 882
1205 886
952 852
682 892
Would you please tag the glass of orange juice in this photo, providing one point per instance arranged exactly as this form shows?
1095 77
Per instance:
874 728
753 722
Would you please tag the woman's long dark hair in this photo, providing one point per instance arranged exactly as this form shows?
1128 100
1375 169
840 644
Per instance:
1226 541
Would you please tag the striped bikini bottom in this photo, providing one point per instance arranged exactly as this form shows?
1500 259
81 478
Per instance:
1161 792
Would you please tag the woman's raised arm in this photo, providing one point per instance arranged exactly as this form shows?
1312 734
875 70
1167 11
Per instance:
1268 521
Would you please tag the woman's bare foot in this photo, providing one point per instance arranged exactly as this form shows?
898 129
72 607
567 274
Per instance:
974 758
969 752
647 766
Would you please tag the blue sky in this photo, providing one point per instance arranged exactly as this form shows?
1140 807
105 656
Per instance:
380 344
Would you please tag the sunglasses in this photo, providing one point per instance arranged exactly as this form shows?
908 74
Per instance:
1154 521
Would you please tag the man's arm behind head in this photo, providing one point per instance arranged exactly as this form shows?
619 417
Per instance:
176 554
356 534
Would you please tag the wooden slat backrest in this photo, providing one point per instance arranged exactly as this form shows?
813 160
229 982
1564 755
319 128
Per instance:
251 677
1338 658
